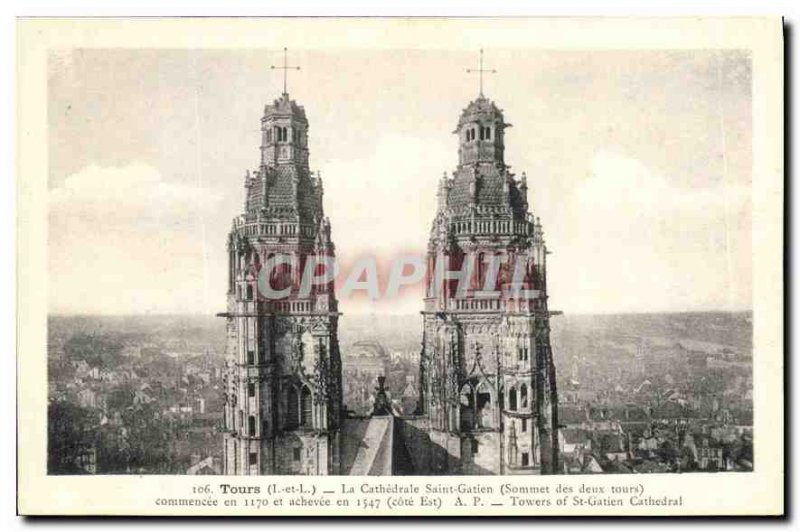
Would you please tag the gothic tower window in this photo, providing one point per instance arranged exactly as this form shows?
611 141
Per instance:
292 408
251 425
483 410
481 269
262 346
467 410
512 399
523 354
281 134
523 396
305 411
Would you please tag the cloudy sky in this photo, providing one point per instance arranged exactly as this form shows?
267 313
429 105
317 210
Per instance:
639 165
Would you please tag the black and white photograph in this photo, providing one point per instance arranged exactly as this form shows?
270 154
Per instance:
429 261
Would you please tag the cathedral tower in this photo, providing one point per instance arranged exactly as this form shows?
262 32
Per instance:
487 377
283 369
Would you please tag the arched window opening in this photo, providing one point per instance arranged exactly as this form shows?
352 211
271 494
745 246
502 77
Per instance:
480 268
512 399
488 133
483 410
483 132
467 409
523 396
251 426
249 292
305 409
292 409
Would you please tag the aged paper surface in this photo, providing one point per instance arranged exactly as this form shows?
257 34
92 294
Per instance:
467 318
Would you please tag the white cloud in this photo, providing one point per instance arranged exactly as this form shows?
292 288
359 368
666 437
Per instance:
122 239
618 182
134 191
634 242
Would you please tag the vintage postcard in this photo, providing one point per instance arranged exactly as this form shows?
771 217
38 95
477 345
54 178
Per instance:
362 267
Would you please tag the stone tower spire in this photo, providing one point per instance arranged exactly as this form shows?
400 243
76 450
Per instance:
487 380
283 399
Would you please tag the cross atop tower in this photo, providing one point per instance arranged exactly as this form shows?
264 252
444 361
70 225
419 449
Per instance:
285 69
480 72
